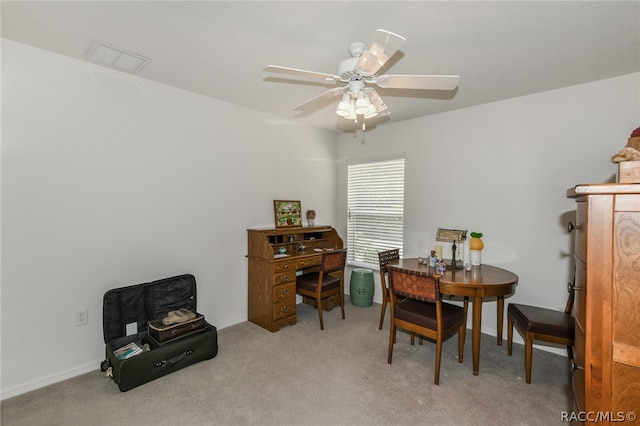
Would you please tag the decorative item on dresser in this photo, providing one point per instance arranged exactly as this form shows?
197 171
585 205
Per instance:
272 274
628 159
606 365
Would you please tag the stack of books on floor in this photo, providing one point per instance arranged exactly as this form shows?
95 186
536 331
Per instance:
127 351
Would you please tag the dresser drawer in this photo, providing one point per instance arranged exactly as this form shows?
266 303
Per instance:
284 292
285 308
577 376
285 277
580 293
581 231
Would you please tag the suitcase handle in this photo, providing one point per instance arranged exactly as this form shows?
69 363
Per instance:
175 359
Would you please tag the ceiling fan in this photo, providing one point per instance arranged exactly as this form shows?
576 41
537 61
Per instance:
359 99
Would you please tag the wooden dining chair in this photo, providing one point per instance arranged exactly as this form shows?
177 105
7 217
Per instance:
423 312
384 258
547 325
327 282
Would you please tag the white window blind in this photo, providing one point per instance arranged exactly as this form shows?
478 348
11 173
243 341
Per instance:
375 209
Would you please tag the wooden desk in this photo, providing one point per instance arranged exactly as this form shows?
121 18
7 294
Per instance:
272 276
482 281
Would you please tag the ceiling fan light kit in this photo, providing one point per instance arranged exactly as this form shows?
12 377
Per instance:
358 99
345 108
362 104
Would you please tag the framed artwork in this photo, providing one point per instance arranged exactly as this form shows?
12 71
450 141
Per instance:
287 213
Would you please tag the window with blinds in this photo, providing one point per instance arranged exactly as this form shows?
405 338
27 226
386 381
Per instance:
375 209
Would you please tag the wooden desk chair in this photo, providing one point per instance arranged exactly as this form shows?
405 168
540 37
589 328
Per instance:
328 281
384 258
422 312
547 325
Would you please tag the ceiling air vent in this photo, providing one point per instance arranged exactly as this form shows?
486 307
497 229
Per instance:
117 58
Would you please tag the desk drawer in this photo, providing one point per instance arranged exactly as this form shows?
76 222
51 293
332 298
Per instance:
284 292
285 277
285 308
284 266
309 262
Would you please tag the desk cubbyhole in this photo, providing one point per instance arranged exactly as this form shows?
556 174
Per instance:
276 239
313 236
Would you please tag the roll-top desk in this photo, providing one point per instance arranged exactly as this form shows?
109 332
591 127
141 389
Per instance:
272 274
606 368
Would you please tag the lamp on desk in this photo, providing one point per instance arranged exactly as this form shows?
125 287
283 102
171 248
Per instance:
452 235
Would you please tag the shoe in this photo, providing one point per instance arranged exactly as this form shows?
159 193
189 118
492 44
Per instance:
176 317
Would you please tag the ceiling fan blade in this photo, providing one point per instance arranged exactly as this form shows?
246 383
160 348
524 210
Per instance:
323 97
427 82
377 101
381 47
329 78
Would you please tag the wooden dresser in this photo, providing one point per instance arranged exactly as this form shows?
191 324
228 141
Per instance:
606 365
272 274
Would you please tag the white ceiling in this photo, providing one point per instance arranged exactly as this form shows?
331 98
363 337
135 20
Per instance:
501 49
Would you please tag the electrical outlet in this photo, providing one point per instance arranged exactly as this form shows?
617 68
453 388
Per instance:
82 317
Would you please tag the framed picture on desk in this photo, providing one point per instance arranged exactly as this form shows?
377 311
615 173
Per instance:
287 213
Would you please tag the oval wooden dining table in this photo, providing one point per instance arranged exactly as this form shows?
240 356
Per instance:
480 282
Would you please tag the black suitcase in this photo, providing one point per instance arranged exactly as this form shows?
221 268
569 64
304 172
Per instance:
125 313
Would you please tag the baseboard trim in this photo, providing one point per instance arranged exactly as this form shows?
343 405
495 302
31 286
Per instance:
77 371
49 380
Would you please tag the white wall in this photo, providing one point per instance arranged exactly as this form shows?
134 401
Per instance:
503 169
111 180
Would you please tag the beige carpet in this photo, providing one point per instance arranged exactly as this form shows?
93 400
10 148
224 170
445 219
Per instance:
304 376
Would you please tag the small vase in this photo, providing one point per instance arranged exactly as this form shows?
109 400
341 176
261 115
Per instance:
311 217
